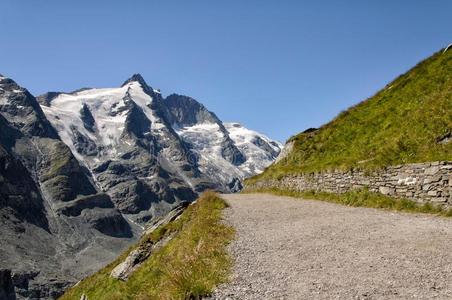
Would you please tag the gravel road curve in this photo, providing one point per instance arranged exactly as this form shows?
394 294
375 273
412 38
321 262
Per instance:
289 248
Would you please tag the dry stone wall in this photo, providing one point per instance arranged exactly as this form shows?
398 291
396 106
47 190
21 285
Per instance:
422 182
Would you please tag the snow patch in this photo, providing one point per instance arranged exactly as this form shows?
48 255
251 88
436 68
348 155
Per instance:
258 148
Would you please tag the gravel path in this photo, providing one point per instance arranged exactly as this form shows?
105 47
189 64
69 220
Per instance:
300 249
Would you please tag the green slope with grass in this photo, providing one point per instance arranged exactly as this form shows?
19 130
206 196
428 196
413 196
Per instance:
408 121
188 267
362 198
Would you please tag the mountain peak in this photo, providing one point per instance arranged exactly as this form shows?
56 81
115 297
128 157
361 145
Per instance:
136 77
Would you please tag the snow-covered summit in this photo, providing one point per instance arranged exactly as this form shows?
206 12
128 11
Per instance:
207 139
132 136
259 149
137 78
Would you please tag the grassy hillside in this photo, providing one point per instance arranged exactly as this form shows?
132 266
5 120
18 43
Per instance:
407 121
188 267
362 198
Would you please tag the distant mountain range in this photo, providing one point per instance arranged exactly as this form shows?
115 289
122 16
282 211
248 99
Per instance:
81 173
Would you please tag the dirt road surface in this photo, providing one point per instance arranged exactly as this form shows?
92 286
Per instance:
289 248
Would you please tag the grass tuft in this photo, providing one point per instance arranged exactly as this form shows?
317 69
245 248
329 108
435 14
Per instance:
362 198
190 266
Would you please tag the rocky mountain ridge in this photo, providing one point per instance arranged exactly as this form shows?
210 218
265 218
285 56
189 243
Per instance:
53 217
81 173
131 137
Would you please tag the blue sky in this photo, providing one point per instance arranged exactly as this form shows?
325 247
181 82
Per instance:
276 66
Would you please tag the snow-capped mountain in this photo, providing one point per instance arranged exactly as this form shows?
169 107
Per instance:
122 135
259 150
81 173
136 143
56 226
256 151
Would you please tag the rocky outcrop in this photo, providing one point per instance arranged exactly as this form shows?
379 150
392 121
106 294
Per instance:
19 195
429 182
186 111
87 117
50 208
137 256
171 216
6 285
75 208
288 147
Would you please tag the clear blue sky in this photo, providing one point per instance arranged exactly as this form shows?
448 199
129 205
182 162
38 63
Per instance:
276 66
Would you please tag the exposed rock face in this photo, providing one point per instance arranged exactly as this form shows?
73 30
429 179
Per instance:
137 256
87 118
186 111
22 110
288 147
6 285
81 173
45 198
122 135
19 195
148 152
171 216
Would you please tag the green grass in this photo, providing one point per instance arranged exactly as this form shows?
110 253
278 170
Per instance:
362 198
188 267
402 123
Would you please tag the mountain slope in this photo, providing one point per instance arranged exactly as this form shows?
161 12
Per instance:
225 152
82 173
410 120
124 140
133 137
55 223
188 258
